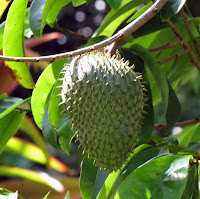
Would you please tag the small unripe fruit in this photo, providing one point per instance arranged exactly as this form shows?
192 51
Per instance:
104 100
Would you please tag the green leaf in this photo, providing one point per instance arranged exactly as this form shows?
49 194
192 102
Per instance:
67 195
116 16
77 3
87 178
39 177
46 196
114 4
163 177
9 126
3 96
190 135
171 8
9 104
171 104
27 29
54 11
2 27
57 117
66 135
47 130
3 6
191 183
41 93
13 44
39 11
29 128
115 178
6 192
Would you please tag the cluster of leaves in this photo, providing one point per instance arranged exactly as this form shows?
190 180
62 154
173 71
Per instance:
163 168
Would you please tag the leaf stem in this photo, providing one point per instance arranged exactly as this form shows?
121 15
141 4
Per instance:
166 46
80 36
186 46
181 124
182 52
121 36
182 13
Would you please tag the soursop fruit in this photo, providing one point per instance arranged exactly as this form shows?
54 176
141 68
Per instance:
104 100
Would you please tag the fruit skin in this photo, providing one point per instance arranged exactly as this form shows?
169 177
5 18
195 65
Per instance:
104 100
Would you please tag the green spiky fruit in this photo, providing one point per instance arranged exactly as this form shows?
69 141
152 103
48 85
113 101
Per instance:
104 100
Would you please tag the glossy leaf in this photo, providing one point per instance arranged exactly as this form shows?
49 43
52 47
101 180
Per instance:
115 178
77 3
41 93
115 17
191 183
2 27
13 44
47 130
171 104
171 8
57 117
39 11
9 104
4 4
54 11
164 177
39 177
188 135
87 178
9 126
114 4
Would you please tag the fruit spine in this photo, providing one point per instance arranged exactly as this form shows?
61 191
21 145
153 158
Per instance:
104 100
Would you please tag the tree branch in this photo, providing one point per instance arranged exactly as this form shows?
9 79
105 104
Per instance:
185 44
121 35
181 124
168 45
182 13
182 52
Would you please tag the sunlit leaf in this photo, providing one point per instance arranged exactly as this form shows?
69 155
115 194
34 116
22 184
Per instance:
171 8
41 93
2 27
116 16
78 2
39 177
46 196
4 4
9 126
67 196
54 10
13 44
42 12
163 177
34 153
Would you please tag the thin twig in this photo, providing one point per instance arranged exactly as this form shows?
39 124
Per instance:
80 36
181 124
185 44
121 35
182 13
168 45
182 52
